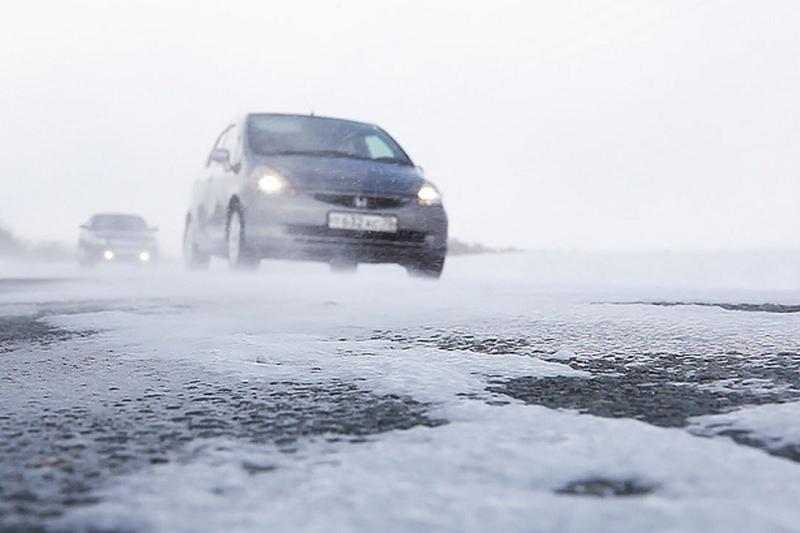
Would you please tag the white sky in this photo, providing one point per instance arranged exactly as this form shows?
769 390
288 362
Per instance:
613 124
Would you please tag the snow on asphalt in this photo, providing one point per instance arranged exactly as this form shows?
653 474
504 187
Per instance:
490 468
497 463
777 426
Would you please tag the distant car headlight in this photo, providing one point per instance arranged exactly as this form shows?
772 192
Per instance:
271 183
144 257
429 195
108 255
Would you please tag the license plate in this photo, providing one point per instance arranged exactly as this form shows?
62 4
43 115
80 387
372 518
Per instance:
362 222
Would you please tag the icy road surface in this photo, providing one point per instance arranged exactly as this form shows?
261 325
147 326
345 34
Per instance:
298 400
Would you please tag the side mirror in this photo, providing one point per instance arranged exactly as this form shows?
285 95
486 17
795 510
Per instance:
84 226
219 155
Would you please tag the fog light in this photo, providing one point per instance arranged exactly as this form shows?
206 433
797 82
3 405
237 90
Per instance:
108 255
144 257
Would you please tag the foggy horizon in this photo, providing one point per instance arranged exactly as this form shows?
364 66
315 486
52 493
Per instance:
619 126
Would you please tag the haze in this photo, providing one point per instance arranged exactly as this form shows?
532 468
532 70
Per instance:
548 125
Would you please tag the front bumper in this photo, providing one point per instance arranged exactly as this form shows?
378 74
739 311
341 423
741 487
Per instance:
119 253
296 227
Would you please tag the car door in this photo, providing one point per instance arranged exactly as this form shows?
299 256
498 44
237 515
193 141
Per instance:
229 183
211 214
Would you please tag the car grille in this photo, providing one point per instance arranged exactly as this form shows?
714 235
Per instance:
361 201
117 241
322 232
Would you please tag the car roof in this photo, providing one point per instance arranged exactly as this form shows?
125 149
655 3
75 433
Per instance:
300 115
117 215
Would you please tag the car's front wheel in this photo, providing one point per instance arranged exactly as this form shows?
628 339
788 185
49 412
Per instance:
192 256
85 259
240 256
428 266
343 266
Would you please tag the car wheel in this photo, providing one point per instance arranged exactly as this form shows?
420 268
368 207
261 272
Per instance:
239 256
192 256
429 266
343 266
85 260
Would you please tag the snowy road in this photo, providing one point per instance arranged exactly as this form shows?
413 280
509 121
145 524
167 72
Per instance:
294 399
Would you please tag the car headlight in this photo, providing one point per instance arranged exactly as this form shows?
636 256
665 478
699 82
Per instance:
429 195
271 183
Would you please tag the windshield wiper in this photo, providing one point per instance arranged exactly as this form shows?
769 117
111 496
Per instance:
320 153
393 160
339 153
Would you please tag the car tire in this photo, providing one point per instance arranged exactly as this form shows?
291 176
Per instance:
192 256
429 266
240 257
84 261
343 266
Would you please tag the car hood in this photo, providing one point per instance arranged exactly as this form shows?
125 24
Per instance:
115 235
340 174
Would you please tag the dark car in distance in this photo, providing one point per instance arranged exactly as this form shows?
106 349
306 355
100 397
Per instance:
313 188
116 237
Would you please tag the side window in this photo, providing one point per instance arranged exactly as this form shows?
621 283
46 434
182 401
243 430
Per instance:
223 138
221 143
377 148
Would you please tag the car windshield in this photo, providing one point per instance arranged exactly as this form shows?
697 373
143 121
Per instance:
118 223
324 137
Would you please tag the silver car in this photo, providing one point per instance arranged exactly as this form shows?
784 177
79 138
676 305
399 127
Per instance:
116 237
313 188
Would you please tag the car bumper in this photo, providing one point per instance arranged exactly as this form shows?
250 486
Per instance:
120 253
296 227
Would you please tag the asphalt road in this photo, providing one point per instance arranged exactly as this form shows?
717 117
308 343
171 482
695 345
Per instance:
72 419
84 408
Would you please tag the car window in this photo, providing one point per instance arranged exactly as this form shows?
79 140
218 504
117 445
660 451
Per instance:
377 148
323 137
118 223
233 143
222 139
